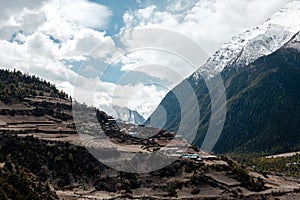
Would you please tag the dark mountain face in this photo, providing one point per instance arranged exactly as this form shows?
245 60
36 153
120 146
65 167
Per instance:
262 105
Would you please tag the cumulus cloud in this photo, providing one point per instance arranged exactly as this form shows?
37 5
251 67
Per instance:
17 7
35 57
84 43
81 12
169 68
54 15
18 14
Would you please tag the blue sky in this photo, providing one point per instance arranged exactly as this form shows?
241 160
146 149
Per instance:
67 40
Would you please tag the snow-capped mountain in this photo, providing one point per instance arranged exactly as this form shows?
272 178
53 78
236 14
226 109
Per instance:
232 58
123 114
252 44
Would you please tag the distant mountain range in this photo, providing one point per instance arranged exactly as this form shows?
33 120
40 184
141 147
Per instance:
260 69
123 114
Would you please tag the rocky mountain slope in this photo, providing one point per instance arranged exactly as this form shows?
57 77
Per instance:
246 54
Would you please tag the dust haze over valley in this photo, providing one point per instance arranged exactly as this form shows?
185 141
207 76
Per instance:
150 100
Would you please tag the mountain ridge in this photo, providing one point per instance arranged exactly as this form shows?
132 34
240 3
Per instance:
236 62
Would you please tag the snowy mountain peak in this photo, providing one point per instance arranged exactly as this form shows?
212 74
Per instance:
263 40
123 114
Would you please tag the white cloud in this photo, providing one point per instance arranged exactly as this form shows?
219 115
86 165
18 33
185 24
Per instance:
38 61
159 64
154 46
17 14
82 12
39 45
54 15
11 11
84 43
